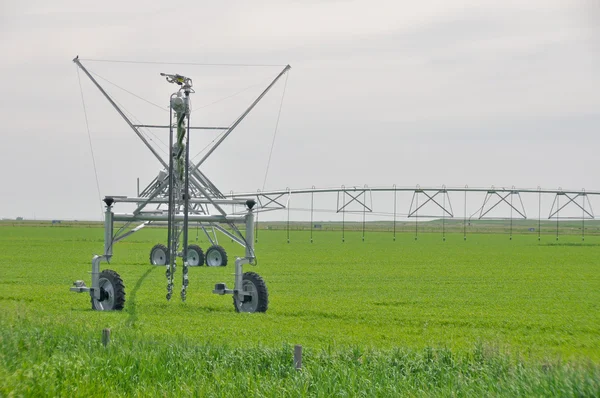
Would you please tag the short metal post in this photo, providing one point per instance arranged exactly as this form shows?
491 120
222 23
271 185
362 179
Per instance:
105 336
298 357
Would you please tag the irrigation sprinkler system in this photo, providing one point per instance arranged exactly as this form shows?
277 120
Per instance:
428 203
182 195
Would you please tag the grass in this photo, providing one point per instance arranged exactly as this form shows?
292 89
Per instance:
486 316
38 362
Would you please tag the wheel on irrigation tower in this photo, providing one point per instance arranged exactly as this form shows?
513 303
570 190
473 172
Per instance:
112 292
158 255
195 256
216 256
258 300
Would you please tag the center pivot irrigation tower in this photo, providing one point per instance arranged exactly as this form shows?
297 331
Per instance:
189 196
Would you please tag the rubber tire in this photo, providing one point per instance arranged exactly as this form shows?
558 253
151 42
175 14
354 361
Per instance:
162 247
116 292
261 289
221 251
200 253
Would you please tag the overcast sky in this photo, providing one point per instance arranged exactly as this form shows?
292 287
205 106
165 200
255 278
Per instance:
452 92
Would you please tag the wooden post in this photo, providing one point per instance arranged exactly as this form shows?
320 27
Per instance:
105 336
298 357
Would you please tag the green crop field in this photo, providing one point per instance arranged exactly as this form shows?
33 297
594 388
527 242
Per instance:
485 316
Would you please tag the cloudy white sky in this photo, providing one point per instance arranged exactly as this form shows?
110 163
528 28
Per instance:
381 92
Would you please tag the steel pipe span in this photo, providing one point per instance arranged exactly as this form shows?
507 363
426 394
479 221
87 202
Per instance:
431 202
411 189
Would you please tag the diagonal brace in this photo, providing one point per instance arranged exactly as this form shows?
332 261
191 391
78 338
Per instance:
355 198
430 198
502 199
571 200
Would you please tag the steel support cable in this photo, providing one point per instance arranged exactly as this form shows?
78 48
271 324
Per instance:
356 212
147 132
209 144
480 210
116 235
129 92
175 63
275 132
230 96
87 125
131 116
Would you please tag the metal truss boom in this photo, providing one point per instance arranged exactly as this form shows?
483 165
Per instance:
410 189
494 198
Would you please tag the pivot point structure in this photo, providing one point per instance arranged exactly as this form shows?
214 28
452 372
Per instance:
182 195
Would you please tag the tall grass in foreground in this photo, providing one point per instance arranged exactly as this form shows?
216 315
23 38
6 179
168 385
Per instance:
42 361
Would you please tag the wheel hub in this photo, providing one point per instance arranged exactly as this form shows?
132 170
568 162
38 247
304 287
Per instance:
103 294
214 258
249 302
158 257
106 294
